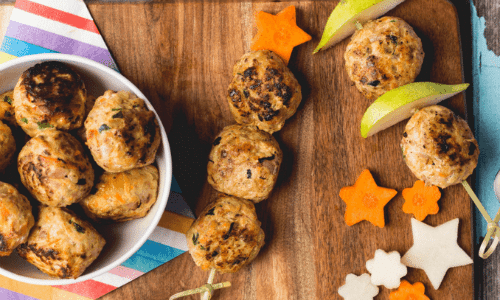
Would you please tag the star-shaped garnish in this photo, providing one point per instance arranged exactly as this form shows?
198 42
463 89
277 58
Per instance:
421 200
365 200
435 250
358 288
278 33
408 291
386 269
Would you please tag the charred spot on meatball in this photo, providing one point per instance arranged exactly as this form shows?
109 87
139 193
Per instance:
103 127
262 159
441 142
51 82
472 148
228 234
3 243
210 212
118 115
248 73
217 141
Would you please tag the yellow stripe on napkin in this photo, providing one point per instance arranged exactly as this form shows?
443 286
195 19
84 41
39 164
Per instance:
44 292
175 222
6 57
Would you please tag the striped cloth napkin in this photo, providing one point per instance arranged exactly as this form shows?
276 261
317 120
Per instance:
56 26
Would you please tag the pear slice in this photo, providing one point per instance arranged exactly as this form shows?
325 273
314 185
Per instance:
342 21
400 103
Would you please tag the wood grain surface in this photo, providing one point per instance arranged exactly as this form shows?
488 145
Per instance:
181 57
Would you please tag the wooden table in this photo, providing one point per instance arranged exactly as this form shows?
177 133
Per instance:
300 245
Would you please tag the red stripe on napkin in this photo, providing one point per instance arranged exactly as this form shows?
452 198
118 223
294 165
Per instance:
89 288
57 15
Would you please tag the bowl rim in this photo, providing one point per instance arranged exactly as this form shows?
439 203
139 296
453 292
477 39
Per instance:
36 58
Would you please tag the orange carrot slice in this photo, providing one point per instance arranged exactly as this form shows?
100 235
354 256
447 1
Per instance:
365 200
421 200
408 291
279 33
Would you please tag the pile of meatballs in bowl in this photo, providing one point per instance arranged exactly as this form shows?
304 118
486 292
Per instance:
85 169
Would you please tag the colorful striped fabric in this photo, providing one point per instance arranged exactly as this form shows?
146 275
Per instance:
55 26
51 26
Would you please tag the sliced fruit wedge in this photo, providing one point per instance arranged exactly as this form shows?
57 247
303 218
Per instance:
400 103
342 21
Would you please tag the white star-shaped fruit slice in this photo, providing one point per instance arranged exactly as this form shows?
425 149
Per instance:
386 269
358 288
435 250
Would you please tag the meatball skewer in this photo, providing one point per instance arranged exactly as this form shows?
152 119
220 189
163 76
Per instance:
440 149
225 237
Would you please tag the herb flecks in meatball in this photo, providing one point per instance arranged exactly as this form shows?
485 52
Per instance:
49 93
121 132
123 196
61 244
226 236
55 169
263 92
383 55
439 147
244 162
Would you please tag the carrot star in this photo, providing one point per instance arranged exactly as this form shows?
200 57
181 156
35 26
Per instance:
365 200
421 200
408 291
279 33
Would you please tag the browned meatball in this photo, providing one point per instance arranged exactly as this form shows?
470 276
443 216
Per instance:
226 236
122 133
7 146
123 196
263 92
439 147
16 219
55 169
7 108
61 244
49 95
244 162
385 54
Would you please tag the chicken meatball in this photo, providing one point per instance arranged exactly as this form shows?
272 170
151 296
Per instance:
263 92
123 196
54 168
7 109
61 244
16 219
226 236
439 147
7 146
385 54
49 95
122 133
244 162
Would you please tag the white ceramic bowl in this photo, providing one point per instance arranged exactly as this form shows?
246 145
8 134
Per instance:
122 239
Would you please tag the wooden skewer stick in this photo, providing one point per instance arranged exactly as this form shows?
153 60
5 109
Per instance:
206 290
493 228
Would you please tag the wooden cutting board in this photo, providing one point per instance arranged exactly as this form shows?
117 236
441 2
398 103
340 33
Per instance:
181 57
